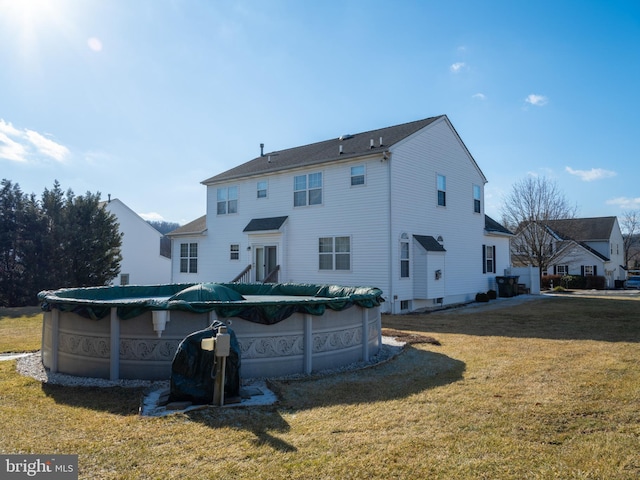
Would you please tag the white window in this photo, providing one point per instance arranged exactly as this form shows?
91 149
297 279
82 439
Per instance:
488 259
562 269
227 200
476 198
588 270
188 258
404 256
442 190
334 253
234 251
261 189
307 189
357 175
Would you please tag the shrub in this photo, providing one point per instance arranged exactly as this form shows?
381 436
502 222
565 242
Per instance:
482 297
492 294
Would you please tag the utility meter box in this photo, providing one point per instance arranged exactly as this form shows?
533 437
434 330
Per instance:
223 345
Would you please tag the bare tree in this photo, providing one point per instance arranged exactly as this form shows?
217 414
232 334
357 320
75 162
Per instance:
630 226
527 210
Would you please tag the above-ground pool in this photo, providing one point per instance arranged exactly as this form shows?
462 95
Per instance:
282 329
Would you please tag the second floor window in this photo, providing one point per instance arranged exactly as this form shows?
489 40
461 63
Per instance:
261 191
188 258
227 200
476 198
442 190
357 175
307 189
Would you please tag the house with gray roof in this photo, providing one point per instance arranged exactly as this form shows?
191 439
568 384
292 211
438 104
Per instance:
400 208
583 246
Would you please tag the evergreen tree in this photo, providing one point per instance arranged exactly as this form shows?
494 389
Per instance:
61 241
11 270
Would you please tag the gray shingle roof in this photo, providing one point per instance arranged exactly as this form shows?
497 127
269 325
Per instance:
584 229
262 224
326 151
490 225
429 243
195 227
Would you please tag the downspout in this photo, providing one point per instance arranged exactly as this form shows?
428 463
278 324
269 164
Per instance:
386 156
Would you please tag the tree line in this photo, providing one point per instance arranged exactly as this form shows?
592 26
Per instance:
56 241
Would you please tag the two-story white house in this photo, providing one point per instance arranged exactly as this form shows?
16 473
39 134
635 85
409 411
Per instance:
143 260
581 246
399 208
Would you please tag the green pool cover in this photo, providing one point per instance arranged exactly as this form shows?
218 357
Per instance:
226 299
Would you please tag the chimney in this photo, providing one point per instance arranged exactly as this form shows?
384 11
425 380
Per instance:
109 198
262 149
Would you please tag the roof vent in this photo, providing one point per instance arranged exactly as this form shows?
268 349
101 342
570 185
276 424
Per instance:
371 144
340 149
346 136
381 141
262 149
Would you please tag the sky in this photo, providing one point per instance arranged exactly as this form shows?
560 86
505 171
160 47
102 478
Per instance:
144 99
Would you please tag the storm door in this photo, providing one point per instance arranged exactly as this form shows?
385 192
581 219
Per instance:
266 261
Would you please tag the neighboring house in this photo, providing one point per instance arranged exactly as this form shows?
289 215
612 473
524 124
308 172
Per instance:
143 261
187 238
583 246
400 208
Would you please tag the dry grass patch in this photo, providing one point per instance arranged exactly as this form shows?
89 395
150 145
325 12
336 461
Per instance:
548 389
20 329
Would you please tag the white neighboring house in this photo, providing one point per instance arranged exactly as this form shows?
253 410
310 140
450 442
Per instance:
584 246
142 260
399 208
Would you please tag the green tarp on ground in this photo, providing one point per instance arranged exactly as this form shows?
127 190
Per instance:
226 299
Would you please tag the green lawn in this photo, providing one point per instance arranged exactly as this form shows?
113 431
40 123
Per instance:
549 389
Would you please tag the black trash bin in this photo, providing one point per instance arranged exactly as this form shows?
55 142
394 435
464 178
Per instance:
508 285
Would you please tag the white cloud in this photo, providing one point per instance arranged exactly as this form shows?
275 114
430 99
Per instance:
625 203
457 67
27 145
479 96
46 146
10 149
537 100
591 175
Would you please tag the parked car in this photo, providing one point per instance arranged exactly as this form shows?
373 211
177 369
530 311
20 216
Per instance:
633 282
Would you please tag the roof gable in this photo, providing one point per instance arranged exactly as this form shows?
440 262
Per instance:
326 151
